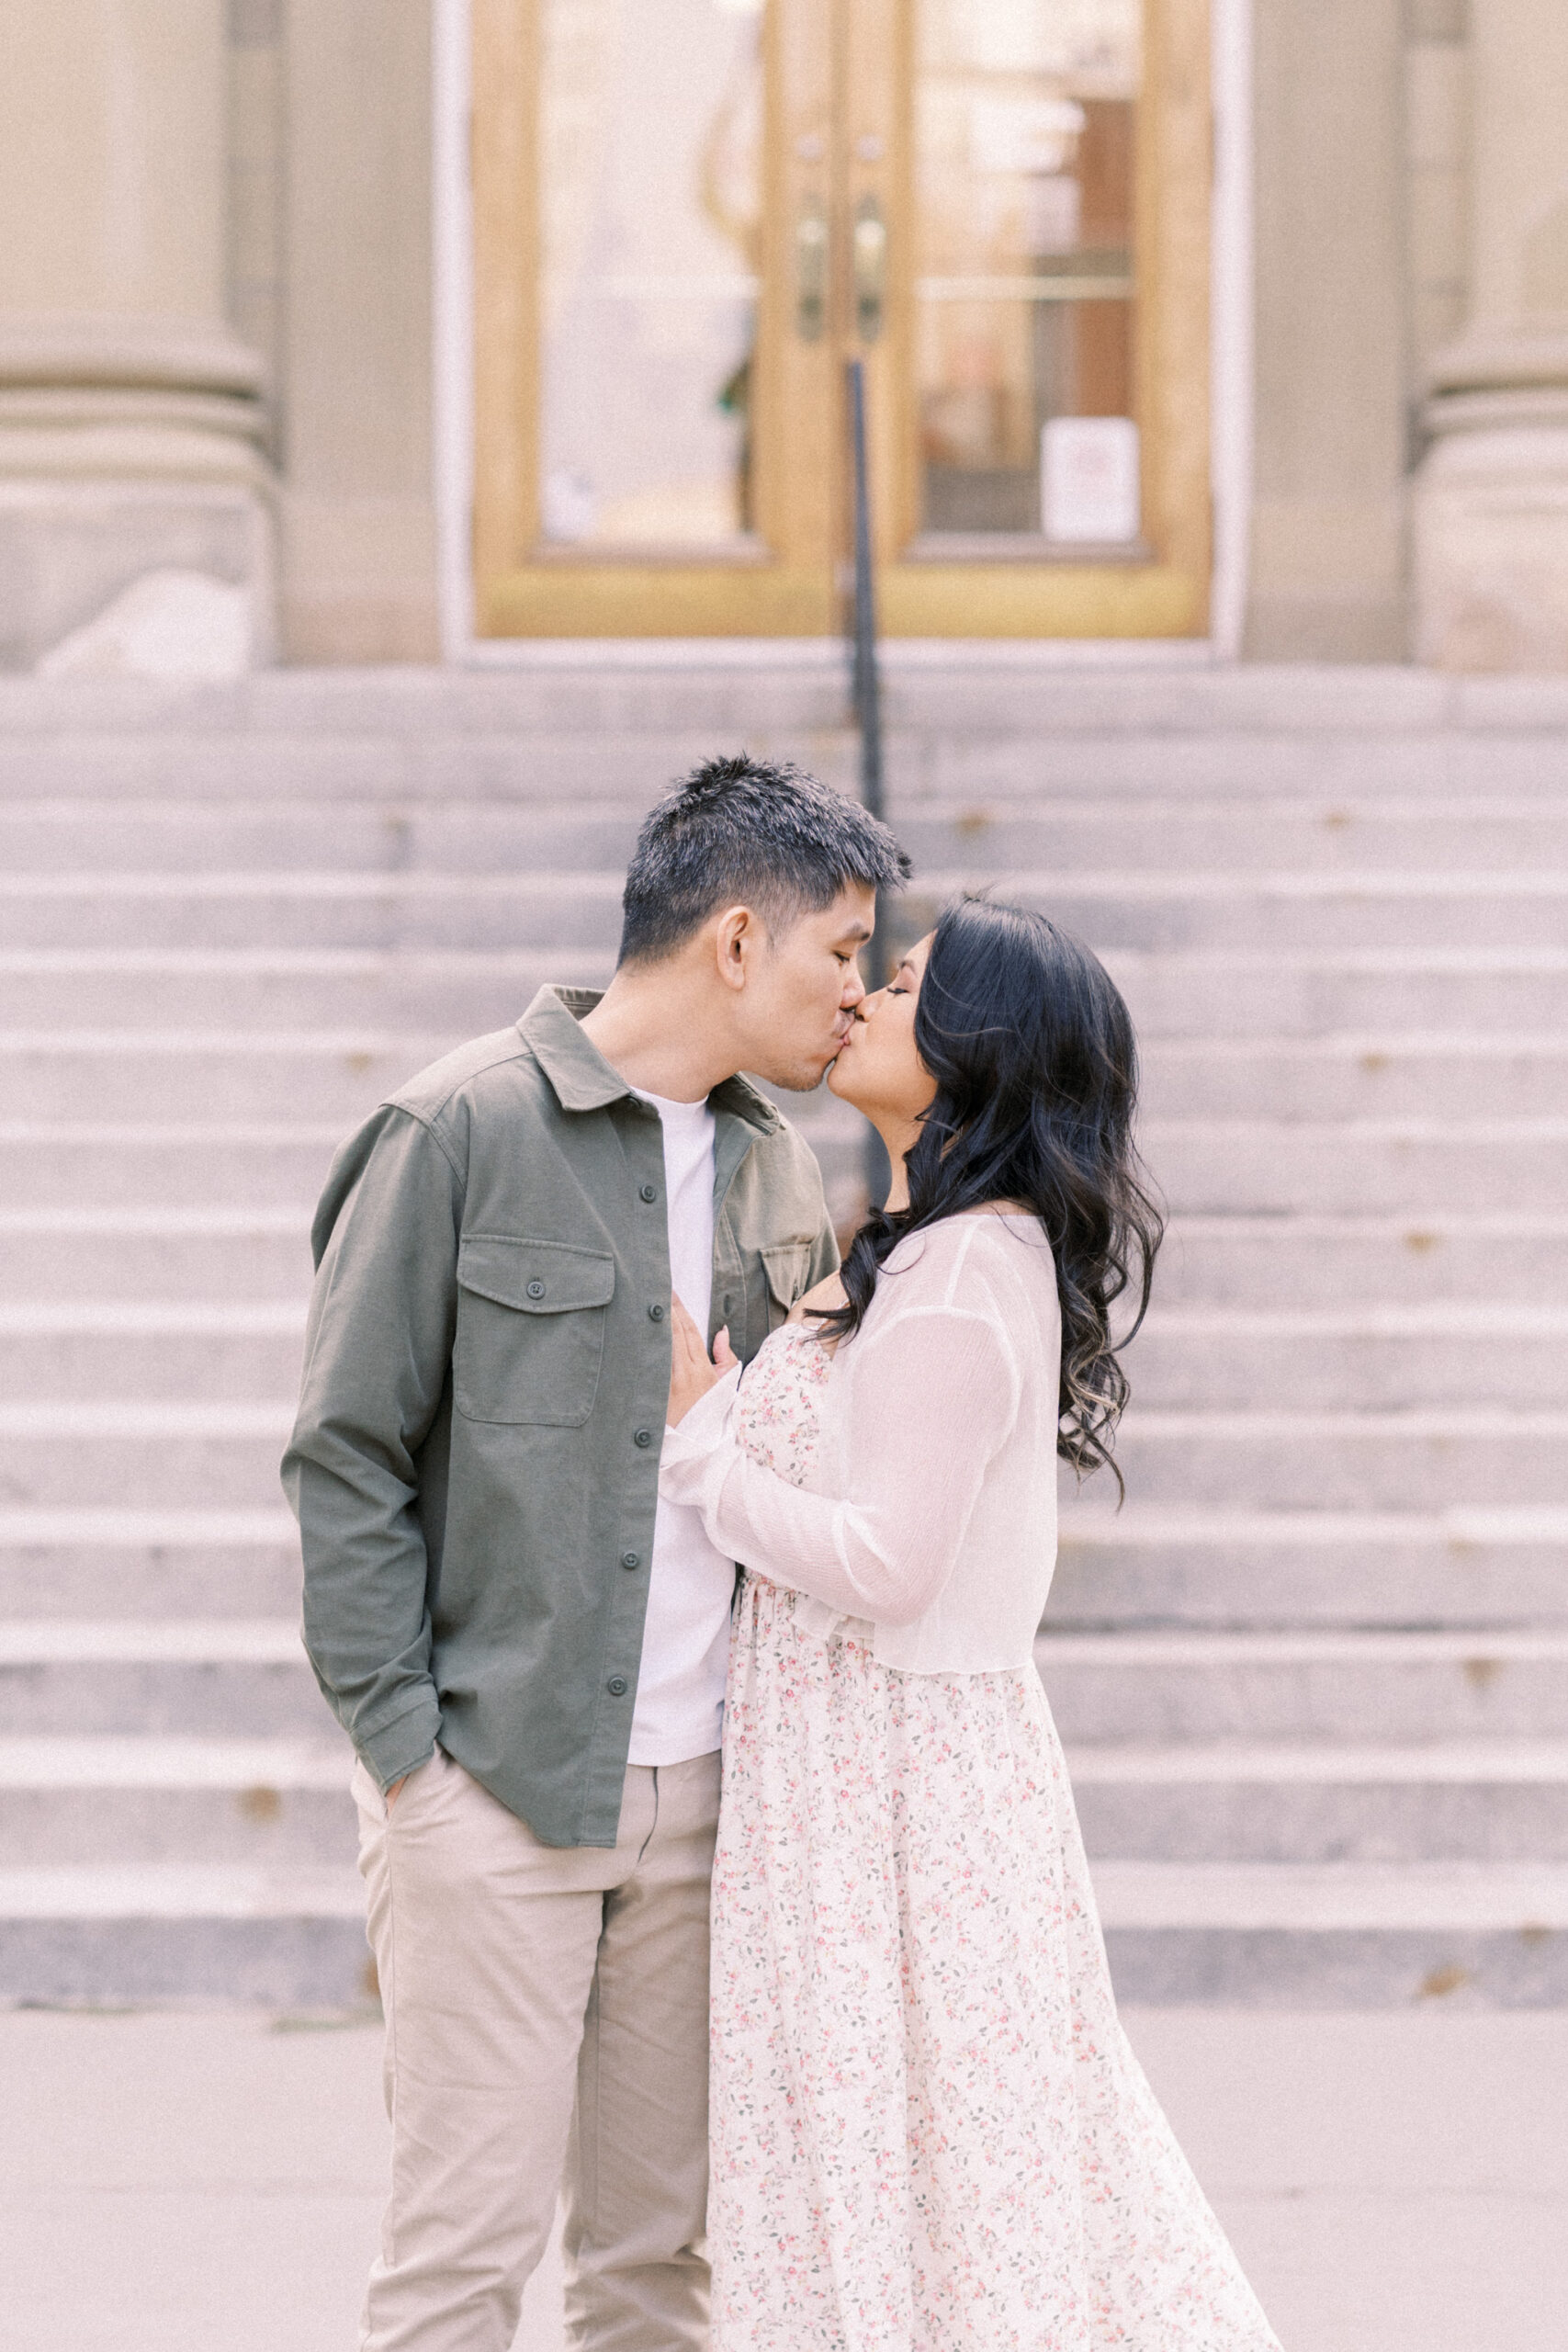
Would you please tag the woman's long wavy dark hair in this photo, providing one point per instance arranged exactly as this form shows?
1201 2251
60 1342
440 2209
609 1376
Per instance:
1036 1070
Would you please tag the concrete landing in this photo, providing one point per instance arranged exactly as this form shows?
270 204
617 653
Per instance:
212 2183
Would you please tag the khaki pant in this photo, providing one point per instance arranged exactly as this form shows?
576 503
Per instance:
546 2020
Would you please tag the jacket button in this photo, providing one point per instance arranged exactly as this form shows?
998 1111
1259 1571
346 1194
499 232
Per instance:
617 1686
631 1559
643 1437
535 1290
656 1314
647 1192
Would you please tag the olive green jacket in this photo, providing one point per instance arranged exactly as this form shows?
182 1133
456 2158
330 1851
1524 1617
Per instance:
474 1464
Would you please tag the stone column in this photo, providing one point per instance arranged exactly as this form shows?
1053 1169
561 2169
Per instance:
1327 570
135 503
1491 511
358 517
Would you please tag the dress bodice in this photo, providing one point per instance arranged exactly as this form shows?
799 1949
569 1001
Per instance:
778 1413
908 1478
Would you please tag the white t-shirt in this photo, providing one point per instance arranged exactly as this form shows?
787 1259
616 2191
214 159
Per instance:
685 1642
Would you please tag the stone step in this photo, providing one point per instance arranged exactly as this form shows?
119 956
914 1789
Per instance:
1430 1170
177 1678
154 1566
243 1677
1495 1565
580 910
1261 1265
290 1937
1218 1360
1337 1935
383 834
452 996
174 1932
311 1076
1488 1570
601 691
1479 992
1268 1800
1199 833
315 1075
988 762
265 1166
1372 1077
199 1252
1359 1357
270 1802
92 1455
1287 912
1480 1571
1314 1260
1281 1460
386 911
279 1802
156 1349
1057 754
103 1167
378 767
446 835
152 1454
1306 1686
1281 1935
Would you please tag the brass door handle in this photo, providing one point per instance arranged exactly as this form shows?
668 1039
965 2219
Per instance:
869 247
811 270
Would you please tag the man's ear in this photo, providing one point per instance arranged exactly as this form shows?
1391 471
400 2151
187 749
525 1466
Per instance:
735 939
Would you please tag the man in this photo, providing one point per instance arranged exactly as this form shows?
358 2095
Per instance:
526 1647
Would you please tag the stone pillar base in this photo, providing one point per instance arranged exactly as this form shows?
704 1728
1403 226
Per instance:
1490 513
137 531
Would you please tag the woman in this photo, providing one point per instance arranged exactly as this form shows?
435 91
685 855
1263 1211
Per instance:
929 2131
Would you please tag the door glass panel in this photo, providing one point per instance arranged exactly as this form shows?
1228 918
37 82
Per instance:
1025 119
650 205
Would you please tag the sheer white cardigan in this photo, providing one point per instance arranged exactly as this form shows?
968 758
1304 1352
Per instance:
931 1507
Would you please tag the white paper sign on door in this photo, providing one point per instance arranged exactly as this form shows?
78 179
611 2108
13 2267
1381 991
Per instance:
1089 480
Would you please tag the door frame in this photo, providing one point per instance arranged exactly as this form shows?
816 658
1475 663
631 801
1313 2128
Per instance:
1107 630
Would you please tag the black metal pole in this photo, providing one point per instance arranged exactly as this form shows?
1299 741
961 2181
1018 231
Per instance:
867 690
867 698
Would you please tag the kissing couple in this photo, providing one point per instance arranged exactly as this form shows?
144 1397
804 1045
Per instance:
664 1572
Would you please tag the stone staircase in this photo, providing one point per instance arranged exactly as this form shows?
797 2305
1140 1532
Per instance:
1313 1677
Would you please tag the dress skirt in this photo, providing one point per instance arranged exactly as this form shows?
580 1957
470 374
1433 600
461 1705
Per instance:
929 2131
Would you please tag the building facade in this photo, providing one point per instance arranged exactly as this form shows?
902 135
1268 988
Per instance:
369 332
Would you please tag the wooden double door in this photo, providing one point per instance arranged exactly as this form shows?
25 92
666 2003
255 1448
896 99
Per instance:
689 214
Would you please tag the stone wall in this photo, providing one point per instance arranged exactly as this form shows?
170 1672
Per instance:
216 306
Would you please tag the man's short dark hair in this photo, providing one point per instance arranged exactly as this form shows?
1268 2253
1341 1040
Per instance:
740 831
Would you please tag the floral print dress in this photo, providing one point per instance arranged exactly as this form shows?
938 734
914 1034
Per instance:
929 2131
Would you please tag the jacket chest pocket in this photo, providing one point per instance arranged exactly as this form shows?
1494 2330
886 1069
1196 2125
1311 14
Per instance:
530 1330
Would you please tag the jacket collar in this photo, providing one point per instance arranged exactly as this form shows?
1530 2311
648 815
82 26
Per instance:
584 1081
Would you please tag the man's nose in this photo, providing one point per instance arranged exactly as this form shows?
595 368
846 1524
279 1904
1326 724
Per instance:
854 986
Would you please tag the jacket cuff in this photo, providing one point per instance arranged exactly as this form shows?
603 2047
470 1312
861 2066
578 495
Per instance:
401 1747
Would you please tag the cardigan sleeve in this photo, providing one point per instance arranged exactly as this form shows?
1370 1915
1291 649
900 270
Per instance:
928 1399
